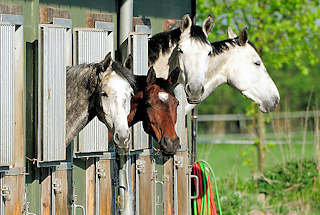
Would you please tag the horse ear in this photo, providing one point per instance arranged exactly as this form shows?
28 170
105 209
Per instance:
243 37
128 63
106 61
207 25
173 77
186 22
231 34
151 76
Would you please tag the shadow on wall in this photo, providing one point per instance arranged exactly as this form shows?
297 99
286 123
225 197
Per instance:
173 9
100 5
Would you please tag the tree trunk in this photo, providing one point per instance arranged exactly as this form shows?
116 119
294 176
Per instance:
316 137
261 146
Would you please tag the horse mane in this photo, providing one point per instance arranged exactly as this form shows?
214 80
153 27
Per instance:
116 66
197 33
162 41
221 46
124 73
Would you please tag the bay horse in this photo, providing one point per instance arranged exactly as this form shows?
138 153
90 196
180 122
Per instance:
154 104
99 89
236 62
189 49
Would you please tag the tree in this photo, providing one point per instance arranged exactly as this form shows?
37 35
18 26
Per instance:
286 33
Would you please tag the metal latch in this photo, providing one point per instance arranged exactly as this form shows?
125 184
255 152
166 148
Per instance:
5 193
158 202
178 161
25 209
74 201
56 185
100 171
197 186
140 164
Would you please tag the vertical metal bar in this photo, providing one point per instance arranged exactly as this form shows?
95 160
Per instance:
125 27
97 187
7 64
53 193
126 196
175 190
180 124
194 128
137 200
125 16
1 198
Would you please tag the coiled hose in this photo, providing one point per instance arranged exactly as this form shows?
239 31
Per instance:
204 204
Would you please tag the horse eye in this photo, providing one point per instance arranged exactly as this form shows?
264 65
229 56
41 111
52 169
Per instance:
258 63
180 51
210 53
104 94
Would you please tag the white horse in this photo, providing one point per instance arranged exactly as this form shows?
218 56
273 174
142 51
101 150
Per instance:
189 49
99 89
235 62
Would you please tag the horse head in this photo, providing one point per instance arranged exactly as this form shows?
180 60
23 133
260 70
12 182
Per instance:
161 111
194 51
247 73
154 104
115 89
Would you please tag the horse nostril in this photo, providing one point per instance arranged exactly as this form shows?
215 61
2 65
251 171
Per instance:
176 141
202 90
188 90
116 137
127 139
275 100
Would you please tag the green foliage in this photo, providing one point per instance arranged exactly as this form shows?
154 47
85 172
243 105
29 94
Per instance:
287 183
286 33
281 190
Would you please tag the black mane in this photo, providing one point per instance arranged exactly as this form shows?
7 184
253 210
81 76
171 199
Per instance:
221 46
161 42
197 33
124 73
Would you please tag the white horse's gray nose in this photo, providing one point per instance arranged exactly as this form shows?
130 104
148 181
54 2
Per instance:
276 100
271 104
194 93
122 137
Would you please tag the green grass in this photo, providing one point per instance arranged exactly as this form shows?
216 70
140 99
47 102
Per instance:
241 160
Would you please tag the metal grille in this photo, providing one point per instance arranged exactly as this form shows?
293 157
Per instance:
6 93
180 124
52 79
140 67
93 45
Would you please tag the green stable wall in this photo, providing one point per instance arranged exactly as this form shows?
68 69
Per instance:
157 11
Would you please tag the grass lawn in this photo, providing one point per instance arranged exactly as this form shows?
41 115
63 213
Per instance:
241 160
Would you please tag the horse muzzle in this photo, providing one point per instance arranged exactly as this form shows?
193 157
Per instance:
269 106
168 146
194 93
122 139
